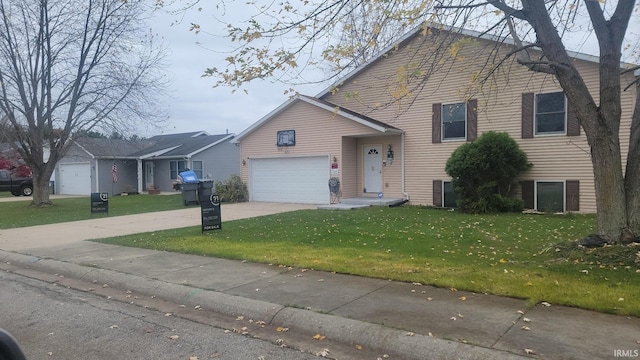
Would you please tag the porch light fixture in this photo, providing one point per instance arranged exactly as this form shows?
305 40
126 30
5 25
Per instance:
244 162
390 155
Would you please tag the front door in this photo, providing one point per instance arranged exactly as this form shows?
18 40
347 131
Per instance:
148 171
372 169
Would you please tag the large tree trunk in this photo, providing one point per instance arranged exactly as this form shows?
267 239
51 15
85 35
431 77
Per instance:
40 189
610 191
632 172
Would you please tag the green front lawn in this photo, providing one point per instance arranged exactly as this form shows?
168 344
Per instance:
15 214
524 256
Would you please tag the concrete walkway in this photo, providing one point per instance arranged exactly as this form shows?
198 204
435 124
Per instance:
405 321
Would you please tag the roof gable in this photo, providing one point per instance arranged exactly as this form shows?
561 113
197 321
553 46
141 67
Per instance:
418 30
323 104
181 145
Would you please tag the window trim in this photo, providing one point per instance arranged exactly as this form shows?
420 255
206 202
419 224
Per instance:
177 162
443 194
564 193
535 115
193 167
463 138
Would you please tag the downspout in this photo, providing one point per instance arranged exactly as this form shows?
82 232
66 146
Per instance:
406 195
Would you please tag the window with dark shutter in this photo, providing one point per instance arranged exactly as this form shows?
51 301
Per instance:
528 193
573 195
472 119
437 193
527 116
436 135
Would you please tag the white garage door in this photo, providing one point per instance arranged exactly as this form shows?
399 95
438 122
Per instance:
75 179
296 180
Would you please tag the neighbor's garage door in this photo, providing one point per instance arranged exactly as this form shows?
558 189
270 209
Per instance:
295 179
75 179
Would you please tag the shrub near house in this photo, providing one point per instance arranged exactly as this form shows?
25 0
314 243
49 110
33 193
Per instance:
483 172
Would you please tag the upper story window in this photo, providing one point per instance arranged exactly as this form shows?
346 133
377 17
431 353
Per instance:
454 121
550 114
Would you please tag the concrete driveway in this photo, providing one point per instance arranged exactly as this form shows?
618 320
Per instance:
65 233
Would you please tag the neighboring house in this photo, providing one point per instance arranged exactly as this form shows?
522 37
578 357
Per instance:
88 165
380 133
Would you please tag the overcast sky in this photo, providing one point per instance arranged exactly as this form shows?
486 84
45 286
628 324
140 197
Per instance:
194 104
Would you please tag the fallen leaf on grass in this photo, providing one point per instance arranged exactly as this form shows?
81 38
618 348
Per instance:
173 337
463 298
358 347
529 352
526 319
544 303
282 329
525 328
410 334
319 337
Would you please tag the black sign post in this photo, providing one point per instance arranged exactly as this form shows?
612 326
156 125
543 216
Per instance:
210 211
99 203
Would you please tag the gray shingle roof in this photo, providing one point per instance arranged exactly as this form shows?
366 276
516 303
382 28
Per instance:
178 145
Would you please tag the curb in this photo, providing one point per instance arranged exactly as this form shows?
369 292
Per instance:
348 331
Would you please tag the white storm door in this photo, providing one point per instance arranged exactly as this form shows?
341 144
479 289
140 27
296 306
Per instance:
372 169
148 166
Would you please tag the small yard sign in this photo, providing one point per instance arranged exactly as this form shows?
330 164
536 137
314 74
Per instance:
210 211
99 203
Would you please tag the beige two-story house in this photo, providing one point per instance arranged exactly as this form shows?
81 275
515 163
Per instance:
388 128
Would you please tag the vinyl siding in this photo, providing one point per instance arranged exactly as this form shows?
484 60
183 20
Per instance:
499 109
318 132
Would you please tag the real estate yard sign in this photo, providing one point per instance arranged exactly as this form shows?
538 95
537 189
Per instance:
210 211
99 203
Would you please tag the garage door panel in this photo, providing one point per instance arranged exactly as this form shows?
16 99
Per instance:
75 179
296 179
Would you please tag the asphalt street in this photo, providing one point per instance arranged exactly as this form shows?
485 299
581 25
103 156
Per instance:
54 322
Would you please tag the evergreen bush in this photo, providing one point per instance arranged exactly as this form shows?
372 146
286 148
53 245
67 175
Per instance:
483 173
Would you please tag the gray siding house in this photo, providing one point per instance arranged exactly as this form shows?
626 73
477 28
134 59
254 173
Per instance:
89 164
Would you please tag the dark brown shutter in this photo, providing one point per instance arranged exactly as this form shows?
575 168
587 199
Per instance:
573 195
528 193
437 193
527 115
573 126
436 124
472 119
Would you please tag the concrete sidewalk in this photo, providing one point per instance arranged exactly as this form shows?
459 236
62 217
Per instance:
406 321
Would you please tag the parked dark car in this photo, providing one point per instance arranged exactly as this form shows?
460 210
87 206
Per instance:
17 185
